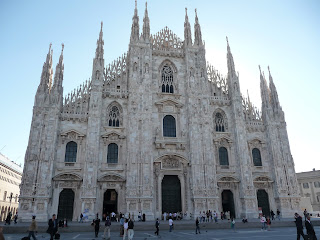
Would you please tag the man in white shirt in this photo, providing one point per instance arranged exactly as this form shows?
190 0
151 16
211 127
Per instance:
170 224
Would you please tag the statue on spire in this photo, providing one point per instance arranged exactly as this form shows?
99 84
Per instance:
197 32
135 25
273 94
146 25
100 43
47 72
187 31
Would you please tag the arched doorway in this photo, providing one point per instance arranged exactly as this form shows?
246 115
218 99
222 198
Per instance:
110 202
263 201
171 194
228 202
66 201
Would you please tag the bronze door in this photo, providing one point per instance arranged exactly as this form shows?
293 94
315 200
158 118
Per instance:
263 202
171 194
66 200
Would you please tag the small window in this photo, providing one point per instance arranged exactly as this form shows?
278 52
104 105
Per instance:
71 152
169 126
317 184
256 157
305 185
223 156
112 156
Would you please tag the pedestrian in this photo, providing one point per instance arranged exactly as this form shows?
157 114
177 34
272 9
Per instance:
107 225
15 218
130 229
221 215
1 234
170 224
310 230
52 226
165 216
305 213
197 226
139 216
81 218
157 227
272 215
233 224
8 219
278 214
268 221
121 225
125 229
215 216
33 228
263 222
96 224
299 226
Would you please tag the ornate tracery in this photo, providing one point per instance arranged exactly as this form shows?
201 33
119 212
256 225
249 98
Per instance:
114 115
167 79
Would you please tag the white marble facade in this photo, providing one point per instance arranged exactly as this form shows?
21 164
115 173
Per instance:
159 76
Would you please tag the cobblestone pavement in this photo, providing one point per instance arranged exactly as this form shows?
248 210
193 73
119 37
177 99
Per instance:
212 234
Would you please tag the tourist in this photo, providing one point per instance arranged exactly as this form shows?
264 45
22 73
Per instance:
130 229
272 215
215 216
15 218
263 222
33 228
278 214
165 216
125 229
113 216
8 219
197 226
310 230
221 215
139 217
233 224
121 225
299 226
305 213
107 225
244 220
157 227
268 221
170 224
81 218
52 226
96 225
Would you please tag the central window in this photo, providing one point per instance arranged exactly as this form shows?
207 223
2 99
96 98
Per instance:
167 79
112 156
169 126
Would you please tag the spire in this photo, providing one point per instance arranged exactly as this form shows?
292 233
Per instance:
197 32
230 62
100 43
273 92
58 77
146 25
135 25
264 90
187 31
46 75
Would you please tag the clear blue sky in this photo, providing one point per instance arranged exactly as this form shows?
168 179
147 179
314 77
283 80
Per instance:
283 34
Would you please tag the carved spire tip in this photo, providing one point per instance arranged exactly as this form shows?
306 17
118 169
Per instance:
146 4
62 47
259 69
135 4
195 11
101 25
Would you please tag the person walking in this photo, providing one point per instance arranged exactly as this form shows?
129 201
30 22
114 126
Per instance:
52 226
157 227
272 215
310 230
299 226
170 224
278 214
268 221
130 229
33 228
125 229
233 224
81 218
107 225
121 225
96 224
15 218
197 226
305 213
215 216
263 222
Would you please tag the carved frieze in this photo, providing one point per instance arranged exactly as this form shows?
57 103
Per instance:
72 135
170 163
111 178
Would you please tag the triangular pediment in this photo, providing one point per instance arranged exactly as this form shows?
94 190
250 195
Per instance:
228 179
113 134
67 177
111 177
166 39
72 131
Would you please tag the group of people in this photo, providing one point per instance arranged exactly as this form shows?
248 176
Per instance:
9 218
173 216
311 235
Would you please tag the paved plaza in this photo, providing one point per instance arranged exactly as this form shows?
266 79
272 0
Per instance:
212 234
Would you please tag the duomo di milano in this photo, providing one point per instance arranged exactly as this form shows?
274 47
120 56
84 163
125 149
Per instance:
157 130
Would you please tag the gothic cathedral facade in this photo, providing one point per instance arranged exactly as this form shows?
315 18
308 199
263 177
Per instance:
157 130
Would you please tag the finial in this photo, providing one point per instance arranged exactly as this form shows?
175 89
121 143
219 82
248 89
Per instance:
50 46
269 70
146 4
135 3
62 47
186 11
227 40
195 11
260 70
101 25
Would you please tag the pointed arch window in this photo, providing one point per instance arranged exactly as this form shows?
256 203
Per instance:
223 156
219 122
167 79
169 126
114 117
112 156
71 152
256 155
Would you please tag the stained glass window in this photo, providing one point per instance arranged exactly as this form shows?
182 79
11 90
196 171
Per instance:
71 152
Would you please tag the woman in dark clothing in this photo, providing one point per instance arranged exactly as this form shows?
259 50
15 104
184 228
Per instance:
96 226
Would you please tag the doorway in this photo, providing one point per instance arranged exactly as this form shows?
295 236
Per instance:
263 201
171 194
228 202
110 202
66 201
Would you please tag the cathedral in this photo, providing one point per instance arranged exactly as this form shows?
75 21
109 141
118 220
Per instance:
157 130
